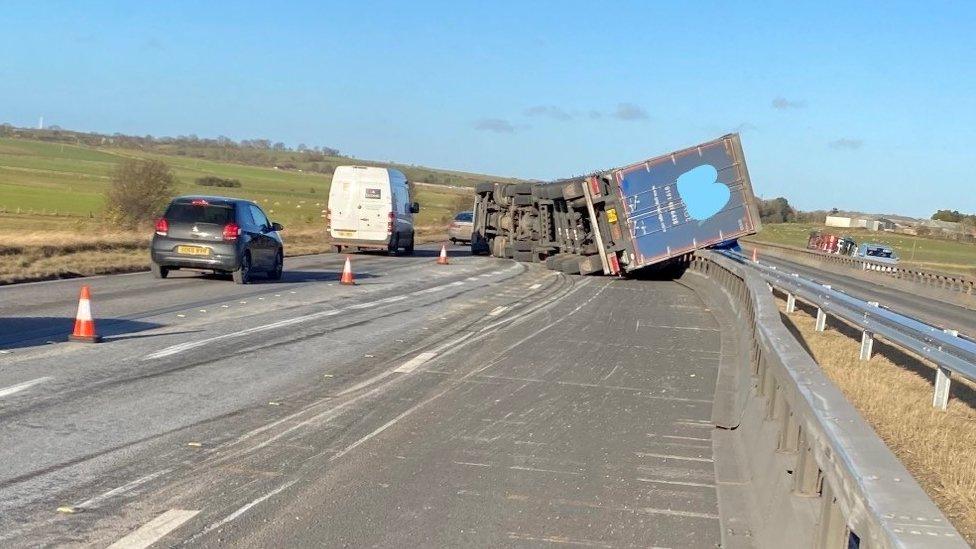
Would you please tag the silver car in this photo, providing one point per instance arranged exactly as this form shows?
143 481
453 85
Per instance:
460 228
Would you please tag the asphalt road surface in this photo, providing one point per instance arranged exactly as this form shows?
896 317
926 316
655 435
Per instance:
931 311
483 403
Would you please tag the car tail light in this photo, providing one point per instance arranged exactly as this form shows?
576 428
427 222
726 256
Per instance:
389 224
231 231
162 226
200 202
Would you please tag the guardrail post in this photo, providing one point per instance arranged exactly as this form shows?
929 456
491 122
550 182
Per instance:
867 345
821 320
807 476
790 302
943 379
833 527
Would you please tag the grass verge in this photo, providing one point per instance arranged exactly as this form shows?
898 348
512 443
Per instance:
893 391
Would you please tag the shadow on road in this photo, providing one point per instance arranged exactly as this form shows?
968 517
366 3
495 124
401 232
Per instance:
18 332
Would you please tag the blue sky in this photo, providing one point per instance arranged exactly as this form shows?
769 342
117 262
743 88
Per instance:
864 106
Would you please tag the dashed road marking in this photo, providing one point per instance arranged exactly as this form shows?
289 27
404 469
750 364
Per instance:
498 310
7 391
154 530
535 286
412 364
671 456
236 514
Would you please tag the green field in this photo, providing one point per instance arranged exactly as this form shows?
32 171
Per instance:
931 253
61 183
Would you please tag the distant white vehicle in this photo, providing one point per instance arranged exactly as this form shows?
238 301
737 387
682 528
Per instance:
371 208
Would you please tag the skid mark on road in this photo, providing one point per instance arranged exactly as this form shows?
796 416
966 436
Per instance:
238 513
97 500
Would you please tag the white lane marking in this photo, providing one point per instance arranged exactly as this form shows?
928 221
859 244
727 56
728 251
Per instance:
535 286
7 391
154 530
458 283
412 364
236 514
498 310
471 464
93 502
671 456
676 482
471 279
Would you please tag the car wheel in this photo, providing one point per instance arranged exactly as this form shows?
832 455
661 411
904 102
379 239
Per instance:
158 271
278 268
454 241
408 249
242 275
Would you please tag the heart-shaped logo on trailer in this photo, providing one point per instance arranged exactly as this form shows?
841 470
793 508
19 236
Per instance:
703 194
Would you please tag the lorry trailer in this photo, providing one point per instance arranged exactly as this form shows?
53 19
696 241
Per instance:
621 220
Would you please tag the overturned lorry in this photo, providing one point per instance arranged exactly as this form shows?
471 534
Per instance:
618 221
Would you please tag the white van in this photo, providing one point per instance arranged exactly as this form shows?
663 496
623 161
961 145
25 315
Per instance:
370 208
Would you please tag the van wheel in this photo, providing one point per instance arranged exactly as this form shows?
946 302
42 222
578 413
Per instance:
158 271
394 245
409 248
337 248
242 275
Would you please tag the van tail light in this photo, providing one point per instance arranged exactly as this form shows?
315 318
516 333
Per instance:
162 226
389 224
231 231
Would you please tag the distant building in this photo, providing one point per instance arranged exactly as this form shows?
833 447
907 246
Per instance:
839 221
869 223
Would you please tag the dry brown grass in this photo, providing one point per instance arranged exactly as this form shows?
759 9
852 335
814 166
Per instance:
45 255
894 391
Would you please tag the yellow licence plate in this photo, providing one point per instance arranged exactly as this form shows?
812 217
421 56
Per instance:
346 233
192 250
612 215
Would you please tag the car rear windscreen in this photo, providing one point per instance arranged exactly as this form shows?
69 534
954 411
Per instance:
464 216
217 214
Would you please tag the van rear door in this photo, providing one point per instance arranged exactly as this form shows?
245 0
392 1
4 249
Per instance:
344 207
377 206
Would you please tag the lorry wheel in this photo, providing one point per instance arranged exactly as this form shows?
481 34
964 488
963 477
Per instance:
572 190
484 187
522 256
570 265
523 200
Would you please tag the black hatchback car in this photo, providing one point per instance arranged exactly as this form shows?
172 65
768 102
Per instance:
223 235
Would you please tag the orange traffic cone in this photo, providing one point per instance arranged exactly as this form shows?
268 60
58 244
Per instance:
347 277
442 260
84 324
755 255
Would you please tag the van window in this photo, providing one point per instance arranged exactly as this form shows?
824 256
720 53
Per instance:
464 216
185 212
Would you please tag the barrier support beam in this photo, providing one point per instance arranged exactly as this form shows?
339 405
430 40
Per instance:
821 319
867 345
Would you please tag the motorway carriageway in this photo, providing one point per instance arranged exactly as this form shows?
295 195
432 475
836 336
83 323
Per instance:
483 403
928 310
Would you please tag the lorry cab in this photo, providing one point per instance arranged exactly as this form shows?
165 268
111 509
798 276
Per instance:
371 208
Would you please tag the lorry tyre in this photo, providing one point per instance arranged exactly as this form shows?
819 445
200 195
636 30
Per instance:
523 200
572 190
484 187
570 265
523 256
522 188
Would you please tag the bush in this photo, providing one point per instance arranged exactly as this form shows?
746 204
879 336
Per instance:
214 181
139 191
